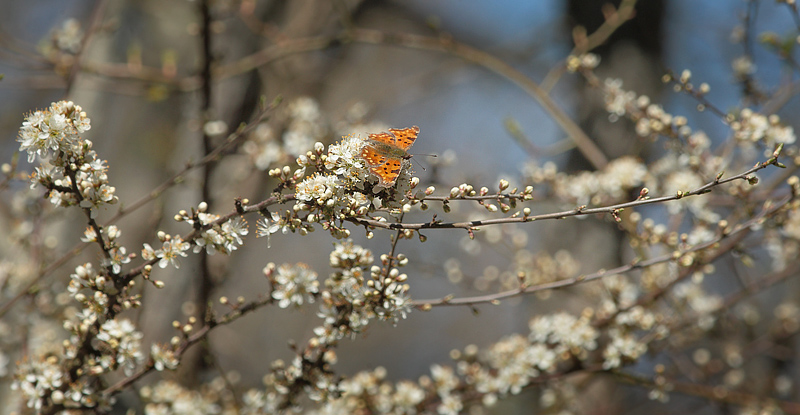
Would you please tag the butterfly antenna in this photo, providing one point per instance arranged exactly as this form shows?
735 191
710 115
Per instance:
420 164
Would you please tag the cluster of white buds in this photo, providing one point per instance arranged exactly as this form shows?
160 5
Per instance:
462 190
587 61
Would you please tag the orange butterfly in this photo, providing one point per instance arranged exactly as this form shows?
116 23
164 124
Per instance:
384 153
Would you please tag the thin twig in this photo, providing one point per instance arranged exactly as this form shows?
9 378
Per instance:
94 25
713 393
622 14
197 336
579 211
496 297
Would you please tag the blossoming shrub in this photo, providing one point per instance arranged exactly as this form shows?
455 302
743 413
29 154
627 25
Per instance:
650 321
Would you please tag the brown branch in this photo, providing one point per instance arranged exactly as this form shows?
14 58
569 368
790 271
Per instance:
195 233
747 292
579 211
496 297
614 20
713 393
197 336
499 196
584 44
94 25
206 283
584 144
731 239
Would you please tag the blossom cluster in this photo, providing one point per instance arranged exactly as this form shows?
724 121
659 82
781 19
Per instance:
87 286
349 299
214 237
625 343
341 187
692 295
55 131
117 254
617 182
651 120
169 397
70 169
165 357
172 249
304 125
505 367
403 397
755 127
99 341
42 381
292 284
121 342
586 61
613 184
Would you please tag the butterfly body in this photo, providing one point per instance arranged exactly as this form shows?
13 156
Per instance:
385 152
389 151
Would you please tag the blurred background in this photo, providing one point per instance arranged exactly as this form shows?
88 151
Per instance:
139 86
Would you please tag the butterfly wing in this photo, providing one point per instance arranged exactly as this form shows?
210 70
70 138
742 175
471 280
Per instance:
383 138
370 154
404 137
383 152
387 172
386 168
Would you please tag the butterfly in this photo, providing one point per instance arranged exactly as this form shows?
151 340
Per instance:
384 153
